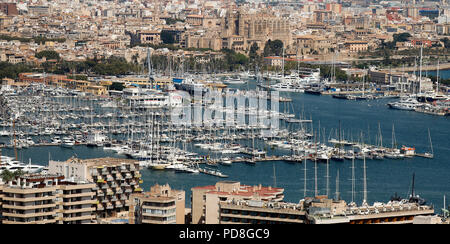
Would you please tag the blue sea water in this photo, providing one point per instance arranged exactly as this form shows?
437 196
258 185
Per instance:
443 74
384 178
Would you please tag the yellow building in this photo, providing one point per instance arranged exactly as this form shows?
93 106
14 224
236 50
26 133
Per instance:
93 89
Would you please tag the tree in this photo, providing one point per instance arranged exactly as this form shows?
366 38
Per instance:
446 42
116 86
7 175
167 37
402 37
273 48
253 53
49 54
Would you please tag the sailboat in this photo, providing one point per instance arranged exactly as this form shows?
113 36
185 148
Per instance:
429 154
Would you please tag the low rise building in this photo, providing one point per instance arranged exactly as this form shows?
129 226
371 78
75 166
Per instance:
206 200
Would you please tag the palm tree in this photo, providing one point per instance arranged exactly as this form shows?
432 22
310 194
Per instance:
6 175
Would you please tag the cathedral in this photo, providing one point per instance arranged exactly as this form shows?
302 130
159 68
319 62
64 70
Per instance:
240 29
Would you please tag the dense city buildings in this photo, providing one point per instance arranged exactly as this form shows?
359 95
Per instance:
78 31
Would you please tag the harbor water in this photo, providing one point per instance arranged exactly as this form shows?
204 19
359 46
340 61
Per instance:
354 118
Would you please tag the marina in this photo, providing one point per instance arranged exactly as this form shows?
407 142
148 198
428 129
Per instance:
82 125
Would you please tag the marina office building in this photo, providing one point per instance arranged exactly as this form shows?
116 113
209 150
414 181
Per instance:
46 199
115 180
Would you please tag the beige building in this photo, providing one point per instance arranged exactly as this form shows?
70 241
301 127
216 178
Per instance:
116 179
206 200
313 45
162 205
195 19
356 46
203 40
151 37
46 199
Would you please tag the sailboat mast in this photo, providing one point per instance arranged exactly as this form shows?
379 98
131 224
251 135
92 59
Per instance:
337 186
437 78
420 69
353 176
431 143
328 177
304 183
149 66
365 181
315 167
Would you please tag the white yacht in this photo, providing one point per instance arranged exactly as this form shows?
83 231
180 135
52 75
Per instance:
287 87
56 140
68 142
405 104
234 80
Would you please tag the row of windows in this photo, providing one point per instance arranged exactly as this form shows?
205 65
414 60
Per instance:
262 214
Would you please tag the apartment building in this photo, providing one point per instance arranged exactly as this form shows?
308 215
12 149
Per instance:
116 179
206 199
47 199
162 205
77 203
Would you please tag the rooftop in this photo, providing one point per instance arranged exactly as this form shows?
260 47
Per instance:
102 161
